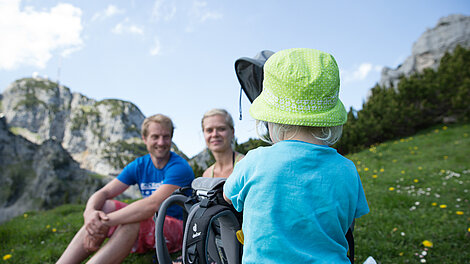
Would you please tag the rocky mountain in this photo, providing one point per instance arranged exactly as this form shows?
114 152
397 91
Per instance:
101 135
35 177
428 50
202 159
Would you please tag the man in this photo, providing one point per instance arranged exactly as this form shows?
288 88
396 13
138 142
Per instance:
131 227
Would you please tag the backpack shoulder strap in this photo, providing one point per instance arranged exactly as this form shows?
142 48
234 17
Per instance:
197 236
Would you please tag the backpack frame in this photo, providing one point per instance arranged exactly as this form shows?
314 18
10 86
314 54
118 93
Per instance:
210 225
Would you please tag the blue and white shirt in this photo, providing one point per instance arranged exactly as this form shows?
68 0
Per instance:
142 171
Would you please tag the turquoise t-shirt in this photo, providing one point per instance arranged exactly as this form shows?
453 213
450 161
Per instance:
298 201
142 172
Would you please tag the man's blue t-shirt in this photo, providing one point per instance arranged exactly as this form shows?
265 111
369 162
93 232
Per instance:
142 171
298 200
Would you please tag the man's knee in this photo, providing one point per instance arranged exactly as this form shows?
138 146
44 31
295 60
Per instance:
109 206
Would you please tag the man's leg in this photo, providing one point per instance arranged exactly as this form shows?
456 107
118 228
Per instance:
75 251
118 246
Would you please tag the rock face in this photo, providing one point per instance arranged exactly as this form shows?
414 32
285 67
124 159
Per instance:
428 50
202 159
103 136
35 177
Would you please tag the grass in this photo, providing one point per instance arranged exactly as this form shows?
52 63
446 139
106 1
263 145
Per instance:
417 189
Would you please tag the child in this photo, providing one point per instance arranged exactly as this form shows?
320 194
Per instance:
299 196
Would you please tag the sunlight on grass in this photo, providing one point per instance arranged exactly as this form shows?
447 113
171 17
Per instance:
417 189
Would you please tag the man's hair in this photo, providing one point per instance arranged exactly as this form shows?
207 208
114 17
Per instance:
217 111
160 119
328 135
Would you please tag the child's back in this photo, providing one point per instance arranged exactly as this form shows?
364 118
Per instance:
301 198
298 198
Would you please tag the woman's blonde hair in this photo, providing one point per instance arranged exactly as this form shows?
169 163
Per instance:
218 111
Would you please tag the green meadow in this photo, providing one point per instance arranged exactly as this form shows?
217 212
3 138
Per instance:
417 189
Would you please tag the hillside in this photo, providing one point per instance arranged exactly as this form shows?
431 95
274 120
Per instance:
417 189
37 177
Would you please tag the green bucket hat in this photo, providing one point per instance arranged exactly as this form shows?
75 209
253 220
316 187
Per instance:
301 88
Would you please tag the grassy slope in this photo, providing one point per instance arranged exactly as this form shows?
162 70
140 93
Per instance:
408 183
417 189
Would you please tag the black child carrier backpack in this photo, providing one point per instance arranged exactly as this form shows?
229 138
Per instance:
210 225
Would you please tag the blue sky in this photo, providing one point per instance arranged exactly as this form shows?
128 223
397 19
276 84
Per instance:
176 57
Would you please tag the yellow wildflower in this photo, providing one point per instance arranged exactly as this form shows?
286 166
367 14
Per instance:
25 215
54 230
459 212
434 204
403 172
358 162
443 206
391 189
401 254
444 128
436 131
366 169
427 243
416 180
7 256
468 229
420 168
446 157
48 226
374 176
382 170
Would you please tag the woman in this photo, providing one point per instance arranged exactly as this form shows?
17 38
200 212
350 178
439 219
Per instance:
217 126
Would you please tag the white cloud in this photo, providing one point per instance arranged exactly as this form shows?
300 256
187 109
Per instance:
110 11
29 37
164 10
359 73
125 27
156 48
200 13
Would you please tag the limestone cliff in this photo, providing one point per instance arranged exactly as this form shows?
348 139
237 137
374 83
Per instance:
428 50
102 136
35 177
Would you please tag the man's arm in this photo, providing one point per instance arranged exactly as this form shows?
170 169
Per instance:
93 215
142 209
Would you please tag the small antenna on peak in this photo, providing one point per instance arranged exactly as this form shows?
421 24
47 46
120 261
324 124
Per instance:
58 70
